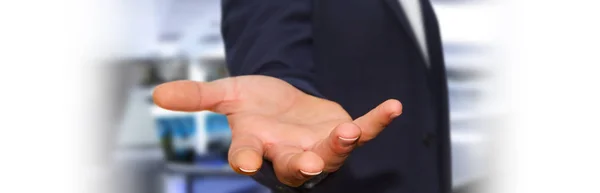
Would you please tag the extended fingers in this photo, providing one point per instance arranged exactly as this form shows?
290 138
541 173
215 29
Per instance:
245 154
293 166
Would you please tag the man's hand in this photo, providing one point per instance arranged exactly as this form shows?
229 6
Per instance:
302 135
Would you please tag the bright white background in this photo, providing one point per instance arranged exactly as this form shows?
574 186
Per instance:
553 87
50 95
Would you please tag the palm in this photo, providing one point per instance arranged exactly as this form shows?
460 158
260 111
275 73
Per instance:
301 134
293 118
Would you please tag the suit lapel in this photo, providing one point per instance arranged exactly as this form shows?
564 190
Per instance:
398 10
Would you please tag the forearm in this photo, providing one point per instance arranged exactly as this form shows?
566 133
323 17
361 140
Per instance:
272 38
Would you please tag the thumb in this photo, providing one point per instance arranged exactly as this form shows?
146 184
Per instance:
372 123
189 96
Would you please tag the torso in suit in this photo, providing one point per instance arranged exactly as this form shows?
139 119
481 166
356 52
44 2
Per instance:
357 53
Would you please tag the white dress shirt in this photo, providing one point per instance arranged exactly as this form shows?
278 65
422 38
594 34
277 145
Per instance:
412 9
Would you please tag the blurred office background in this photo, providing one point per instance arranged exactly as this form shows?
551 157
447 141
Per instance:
154 150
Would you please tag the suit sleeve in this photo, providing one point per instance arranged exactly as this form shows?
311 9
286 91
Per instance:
270 37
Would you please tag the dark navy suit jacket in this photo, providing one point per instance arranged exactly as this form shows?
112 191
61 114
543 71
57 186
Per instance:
357 53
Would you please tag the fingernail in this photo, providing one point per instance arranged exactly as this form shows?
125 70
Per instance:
311 173
394 116
247 171
346 141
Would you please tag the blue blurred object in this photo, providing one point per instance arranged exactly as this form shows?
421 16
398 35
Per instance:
177 134
228 184
219 184
205 176
217 123
181 126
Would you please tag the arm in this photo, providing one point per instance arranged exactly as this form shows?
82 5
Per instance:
276 127
272 38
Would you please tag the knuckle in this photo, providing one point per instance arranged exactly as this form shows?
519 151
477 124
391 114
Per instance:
383 123
342 152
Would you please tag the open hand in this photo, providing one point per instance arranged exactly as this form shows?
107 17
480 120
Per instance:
301 134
